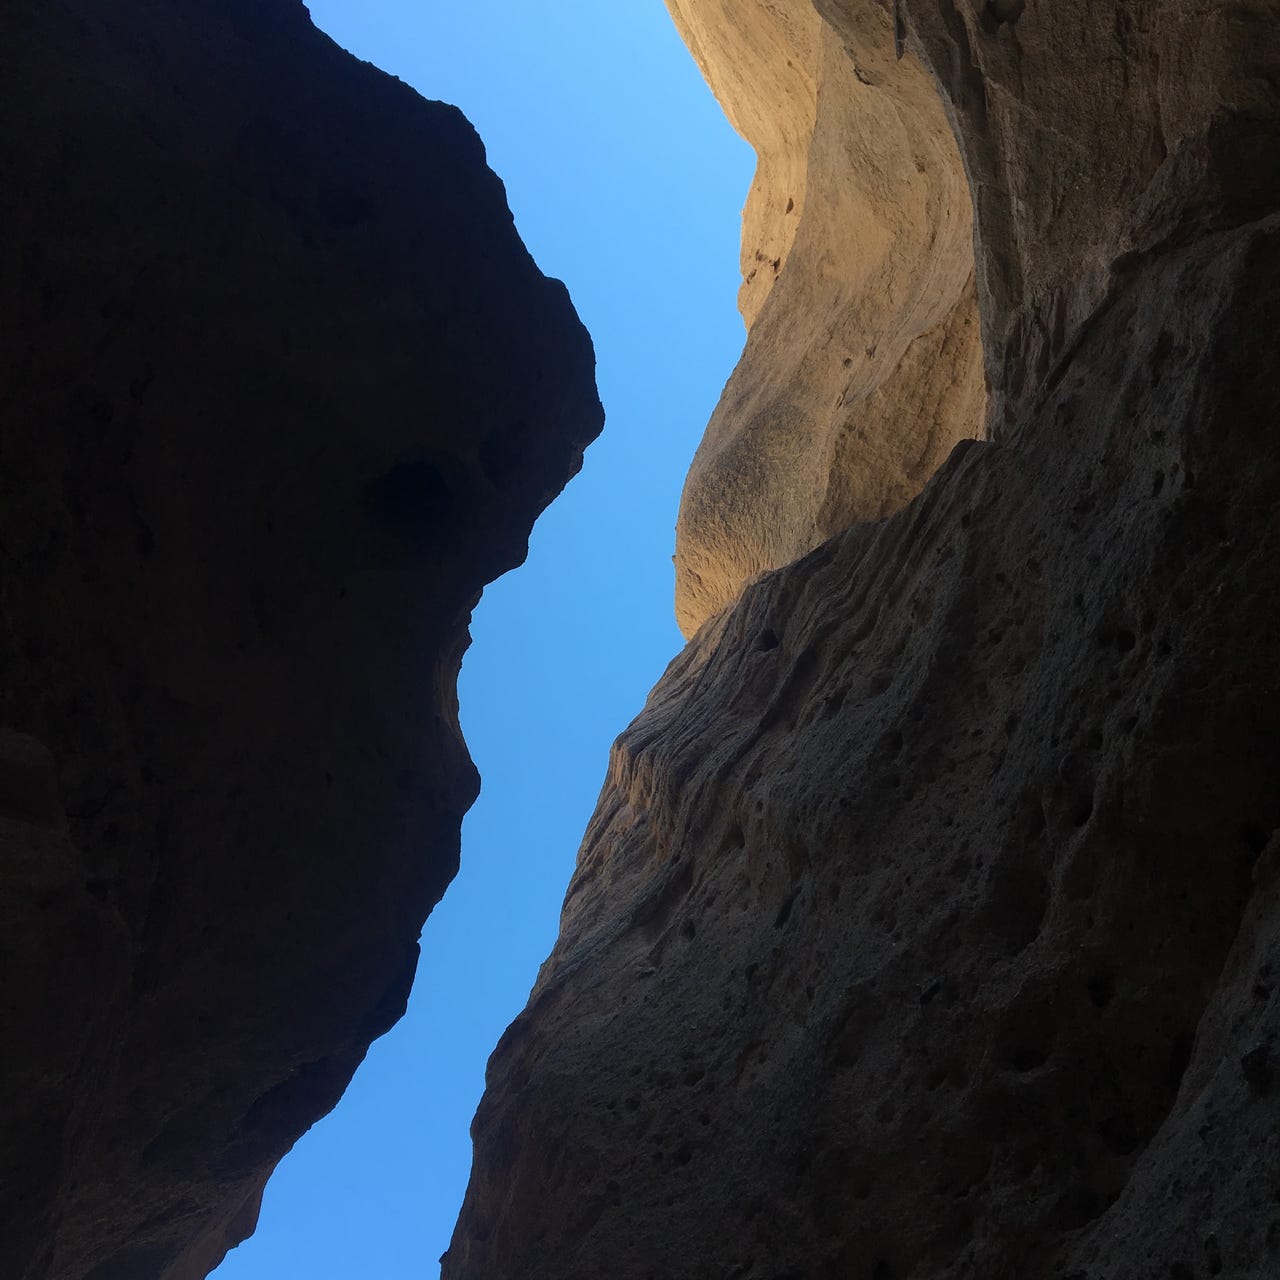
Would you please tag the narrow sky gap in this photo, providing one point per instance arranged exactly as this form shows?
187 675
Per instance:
626 183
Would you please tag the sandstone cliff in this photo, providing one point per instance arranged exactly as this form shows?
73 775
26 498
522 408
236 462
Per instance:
928 925
281 391
863 364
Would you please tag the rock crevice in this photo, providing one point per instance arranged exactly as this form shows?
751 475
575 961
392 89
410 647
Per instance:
926 925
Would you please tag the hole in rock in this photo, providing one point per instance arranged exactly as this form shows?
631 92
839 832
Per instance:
1102 990
997 12
1025 1058
413 501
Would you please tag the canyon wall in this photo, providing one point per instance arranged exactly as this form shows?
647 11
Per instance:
928 925
863 365
281 391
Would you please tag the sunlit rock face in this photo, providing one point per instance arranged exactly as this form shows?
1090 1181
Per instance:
281 390
929 923
863 364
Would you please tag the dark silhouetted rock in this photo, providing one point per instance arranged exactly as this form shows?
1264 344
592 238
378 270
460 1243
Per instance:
281 390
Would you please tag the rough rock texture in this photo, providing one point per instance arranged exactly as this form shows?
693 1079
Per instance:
863 365
929 923
281 390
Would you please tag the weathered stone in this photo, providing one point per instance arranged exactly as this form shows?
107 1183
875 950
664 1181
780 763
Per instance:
281 391
863 365
928 921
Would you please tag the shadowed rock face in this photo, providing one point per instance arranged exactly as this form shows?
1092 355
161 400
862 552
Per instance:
928 923
281 391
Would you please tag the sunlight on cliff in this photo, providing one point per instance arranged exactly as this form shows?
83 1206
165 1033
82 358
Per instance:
863 365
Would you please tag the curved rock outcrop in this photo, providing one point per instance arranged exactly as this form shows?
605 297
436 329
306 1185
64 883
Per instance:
1096 138
863 364
281 391
927 926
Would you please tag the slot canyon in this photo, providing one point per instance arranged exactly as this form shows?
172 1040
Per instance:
928 925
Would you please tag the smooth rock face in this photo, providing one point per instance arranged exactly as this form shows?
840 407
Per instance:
281 391
929 923
863 365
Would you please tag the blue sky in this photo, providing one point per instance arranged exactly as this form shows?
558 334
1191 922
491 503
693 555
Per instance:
626 183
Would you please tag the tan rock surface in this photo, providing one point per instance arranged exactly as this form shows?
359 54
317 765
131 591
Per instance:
926 928
281 390
862 367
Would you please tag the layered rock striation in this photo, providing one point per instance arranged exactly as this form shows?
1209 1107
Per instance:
928 924
281 391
